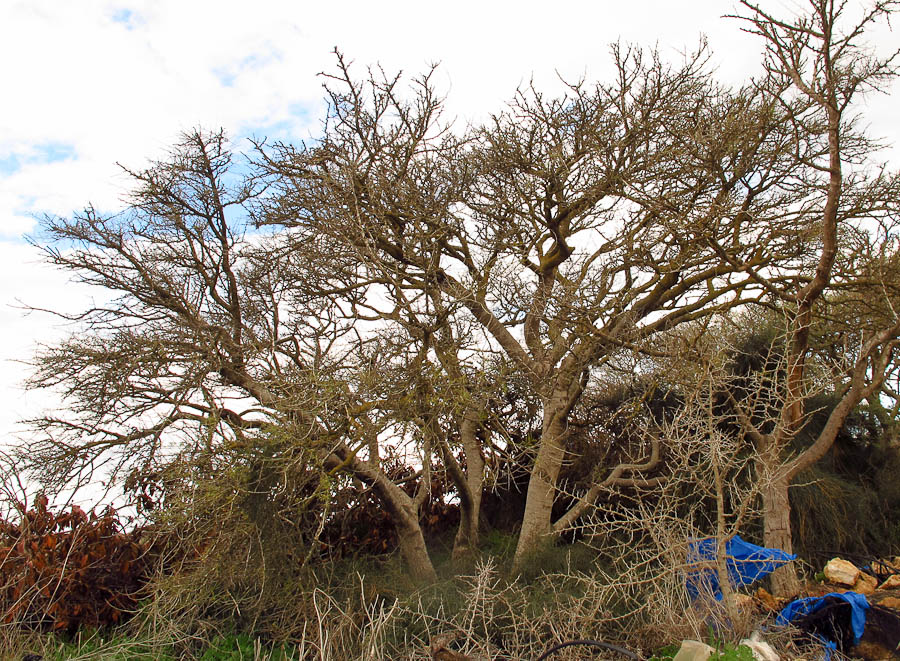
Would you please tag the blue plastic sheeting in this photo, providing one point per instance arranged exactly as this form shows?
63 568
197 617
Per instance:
800 607
746 563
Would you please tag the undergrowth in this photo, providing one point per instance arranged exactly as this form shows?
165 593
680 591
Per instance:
372 614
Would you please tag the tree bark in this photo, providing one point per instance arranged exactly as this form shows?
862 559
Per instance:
470 487
465 544
537 520
777 534
402 508
413 549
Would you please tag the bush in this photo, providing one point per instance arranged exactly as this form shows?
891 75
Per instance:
68 569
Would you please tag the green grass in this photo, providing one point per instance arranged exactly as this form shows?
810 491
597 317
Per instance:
243 648
667 652
740 653
114 648
726 653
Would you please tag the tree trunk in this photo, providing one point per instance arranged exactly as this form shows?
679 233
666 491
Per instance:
537 519
403 510
465 544
777 534
413 549
469 484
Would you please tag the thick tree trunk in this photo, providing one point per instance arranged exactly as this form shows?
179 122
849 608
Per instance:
537 528
409 531
777 534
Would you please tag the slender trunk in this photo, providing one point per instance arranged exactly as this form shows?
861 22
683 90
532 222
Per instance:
777 534
776 501
537 520
465 544
403 510
470 486
721 541
413 549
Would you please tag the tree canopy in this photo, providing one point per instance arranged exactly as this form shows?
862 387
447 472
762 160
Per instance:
403 290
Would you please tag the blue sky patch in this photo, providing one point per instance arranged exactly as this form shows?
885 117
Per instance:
9 164
300 116
50 152
125 17
227 74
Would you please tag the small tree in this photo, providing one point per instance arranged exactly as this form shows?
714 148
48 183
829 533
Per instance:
208 341
826 69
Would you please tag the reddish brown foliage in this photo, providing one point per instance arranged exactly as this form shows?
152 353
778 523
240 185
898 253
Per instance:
68 569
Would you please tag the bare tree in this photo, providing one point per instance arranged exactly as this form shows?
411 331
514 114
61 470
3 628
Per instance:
208 341
825 66
560 232
359 292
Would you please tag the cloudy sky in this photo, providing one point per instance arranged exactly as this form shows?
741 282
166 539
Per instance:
91 83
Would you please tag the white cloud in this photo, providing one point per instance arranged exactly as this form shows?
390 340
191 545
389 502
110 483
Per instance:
116 81
27 280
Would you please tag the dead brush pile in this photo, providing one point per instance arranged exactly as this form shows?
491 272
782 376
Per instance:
68 569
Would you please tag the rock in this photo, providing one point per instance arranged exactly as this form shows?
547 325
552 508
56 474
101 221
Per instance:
762 651
865 584
692 650
841 572
892 583
890 602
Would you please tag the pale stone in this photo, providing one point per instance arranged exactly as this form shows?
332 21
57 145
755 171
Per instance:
693 650
865 584
892 583
890 602
841 572
762 651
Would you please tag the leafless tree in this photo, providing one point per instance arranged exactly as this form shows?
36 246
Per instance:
208 340
560 232
816 58
376 290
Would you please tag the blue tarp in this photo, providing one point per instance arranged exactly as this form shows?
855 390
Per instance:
800 607
746 562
